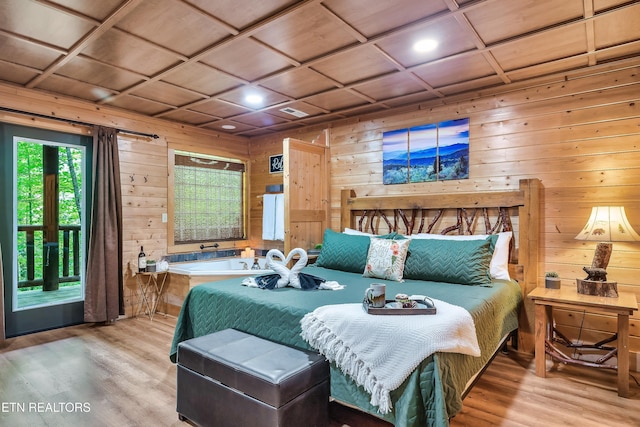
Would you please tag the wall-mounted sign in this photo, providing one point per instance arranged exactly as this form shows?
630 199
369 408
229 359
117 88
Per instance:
276 163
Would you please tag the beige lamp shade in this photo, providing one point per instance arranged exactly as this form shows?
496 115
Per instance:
608 224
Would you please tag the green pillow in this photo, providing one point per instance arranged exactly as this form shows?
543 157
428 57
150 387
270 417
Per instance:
344 252
454 261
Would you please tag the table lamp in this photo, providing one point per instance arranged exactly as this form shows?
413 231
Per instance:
605 225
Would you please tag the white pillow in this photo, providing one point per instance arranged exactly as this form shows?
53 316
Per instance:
499 268
356 232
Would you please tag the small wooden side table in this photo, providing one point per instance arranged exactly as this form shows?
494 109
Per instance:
150 286
569 298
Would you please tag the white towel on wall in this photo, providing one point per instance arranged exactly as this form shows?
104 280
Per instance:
279 220
268 216
273 217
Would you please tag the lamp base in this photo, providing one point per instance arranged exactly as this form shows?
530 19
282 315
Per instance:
597 288
602 255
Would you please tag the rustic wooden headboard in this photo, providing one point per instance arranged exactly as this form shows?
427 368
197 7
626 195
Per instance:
462 213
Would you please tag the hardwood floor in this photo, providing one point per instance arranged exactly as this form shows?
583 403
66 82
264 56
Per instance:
120 375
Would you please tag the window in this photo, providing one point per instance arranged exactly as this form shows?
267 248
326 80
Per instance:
208 198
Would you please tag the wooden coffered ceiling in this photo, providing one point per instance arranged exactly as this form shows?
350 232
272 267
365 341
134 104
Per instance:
194 61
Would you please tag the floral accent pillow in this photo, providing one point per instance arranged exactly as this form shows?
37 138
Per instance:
385 259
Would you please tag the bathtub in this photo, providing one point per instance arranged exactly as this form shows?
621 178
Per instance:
219 267
185 275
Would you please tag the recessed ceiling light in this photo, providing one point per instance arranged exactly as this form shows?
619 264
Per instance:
253 99
425 45
228 127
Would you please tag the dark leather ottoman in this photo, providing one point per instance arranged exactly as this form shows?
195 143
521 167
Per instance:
230 378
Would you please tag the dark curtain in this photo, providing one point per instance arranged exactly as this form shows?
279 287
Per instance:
104 282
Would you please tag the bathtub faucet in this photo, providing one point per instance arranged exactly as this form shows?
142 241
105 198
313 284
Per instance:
215 246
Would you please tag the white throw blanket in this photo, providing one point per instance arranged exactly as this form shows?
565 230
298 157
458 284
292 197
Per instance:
379 352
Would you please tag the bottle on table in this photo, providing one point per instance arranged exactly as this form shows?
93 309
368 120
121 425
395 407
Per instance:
142 261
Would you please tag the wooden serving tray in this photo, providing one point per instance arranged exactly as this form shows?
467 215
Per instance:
425 306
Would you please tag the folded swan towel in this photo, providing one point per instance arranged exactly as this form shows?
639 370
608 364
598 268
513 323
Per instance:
277 262
379 352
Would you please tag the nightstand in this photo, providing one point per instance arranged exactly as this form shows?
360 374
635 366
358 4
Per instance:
568 297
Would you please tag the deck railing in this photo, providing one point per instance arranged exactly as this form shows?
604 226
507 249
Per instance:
70 238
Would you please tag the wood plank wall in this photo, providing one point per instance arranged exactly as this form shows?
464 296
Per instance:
579 134
143 169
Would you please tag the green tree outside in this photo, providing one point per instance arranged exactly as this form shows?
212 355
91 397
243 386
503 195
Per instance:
30 200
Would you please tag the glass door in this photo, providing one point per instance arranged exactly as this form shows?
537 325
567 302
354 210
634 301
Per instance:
47 192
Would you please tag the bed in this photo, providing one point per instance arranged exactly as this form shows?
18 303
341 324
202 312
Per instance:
433 392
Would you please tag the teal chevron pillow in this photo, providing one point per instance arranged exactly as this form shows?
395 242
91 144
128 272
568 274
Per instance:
454 261
344 252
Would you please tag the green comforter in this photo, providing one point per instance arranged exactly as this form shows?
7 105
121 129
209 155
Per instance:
430 396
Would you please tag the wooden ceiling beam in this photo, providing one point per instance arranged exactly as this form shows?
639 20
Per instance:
219 22
210 49
271 49
31 41
436 92
355 33
123 10
67 11
466 25
455 10
545 79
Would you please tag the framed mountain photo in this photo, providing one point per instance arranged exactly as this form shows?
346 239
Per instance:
430 152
